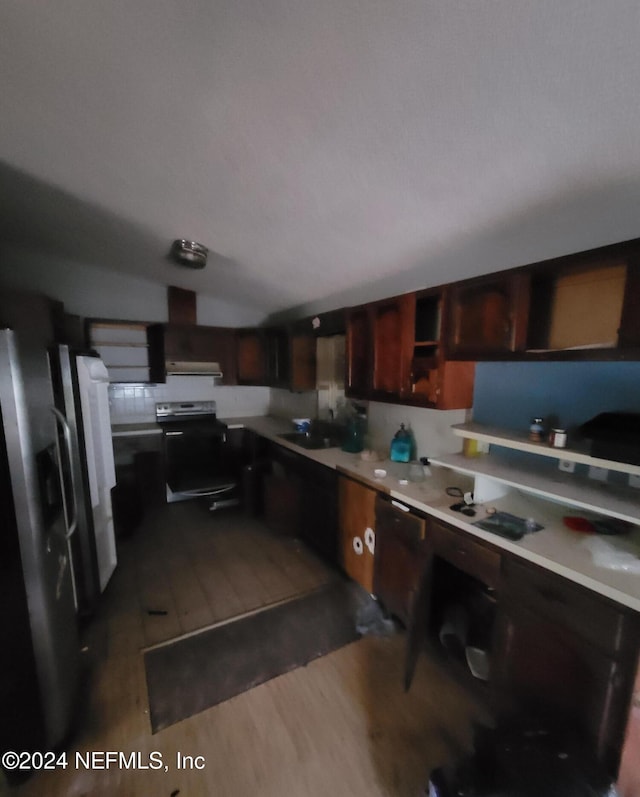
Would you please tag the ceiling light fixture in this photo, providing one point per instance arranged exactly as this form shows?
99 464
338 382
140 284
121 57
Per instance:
189 253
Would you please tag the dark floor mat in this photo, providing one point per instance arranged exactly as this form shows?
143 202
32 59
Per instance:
193 674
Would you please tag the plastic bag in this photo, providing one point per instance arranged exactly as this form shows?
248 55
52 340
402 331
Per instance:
371 620
621 555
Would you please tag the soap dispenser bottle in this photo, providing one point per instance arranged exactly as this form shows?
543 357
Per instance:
401 445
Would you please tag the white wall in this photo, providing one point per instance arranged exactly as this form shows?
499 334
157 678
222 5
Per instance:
286 404
431 428
91 291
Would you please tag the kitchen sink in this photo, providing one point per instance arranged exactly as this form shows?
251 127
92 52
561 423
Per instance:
313 439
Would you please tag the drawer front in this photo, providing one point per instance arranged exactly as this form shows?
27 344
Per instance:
466 554
591 617
405 525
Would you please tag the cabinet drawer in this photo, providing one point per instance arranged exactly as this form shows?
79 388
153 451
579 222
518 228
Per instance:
591 617
466 554
402 524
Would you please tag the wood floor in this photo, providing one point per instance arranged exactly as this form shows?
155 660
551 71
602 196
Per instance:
340 726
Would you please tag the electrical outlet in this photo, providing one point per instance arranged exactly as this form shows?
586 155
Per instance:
599 474
634 480
567 465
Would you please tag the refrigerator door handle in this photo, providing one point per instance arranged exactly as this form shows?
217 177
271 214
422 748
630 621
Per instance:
62 421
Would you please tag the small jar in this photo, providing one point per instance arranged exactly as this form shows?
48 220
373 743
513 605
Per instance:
558 438
536 430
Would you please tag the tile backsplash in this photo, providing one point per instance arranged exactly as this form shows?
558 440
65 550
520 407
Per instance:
136 403
431 429
132 403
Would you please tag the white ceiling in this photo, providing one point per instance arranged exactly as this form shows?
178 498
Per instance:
318 147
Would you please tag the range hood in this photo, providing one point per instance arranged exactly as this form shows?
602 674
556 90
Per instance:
193 368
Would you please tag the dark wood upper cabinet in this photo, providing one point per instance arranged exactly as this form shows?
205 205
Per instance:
391 322
278 357
302 362
189 343
435 381
251 348
359 352
395 352
579 306
379 349
488 316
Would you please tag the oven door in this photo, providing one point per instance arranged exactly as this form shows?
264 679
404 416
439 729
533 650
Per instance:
195 459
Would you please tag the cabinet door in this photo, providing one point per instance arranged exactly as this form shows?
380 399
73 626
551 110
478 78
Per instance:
278 357
628 784
629 332
303 361
569 652
488 316
443 384
358 353
400 558
392 332
545 669
357 514
252 357
319 516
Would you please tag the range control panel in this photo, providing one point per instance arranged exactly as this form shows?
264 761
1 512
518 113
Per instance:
177 409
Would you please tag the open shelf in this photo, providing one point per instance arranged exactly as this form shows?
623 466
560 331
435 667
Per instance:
600 497
519 442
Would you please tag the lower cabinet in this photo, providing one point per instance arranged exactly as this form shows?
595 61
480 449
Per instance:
628 784
357 524
533 643
568 654
300 499
401 556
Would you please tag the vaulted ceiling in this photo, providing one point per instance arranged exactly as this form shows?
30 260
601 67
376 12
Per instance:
318 147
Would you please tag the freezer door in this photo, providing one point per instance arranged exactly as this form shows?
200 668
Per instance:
37 523
93 385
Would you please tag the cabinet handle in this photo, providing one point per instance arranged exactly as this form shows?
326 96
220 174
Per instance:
461 551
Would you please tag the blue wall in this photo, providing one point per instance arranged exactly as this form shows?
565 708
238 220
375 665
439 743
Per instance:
509 394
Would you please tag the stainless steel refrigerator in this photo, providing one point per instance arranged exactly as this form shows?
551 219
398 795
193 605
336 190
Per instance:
39 664
82 403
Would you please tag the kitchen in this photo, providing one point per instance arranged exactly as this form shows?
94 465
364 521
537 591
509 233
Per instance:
93 272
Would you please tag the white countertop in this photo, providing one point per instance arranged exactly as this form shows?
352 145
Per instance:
555 547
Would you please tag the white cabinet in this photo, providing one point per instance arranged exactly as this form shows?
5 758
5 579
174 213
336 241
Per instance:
495 475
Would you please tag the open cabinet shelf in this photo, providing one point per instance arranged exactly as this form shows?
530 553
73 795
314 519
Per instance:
600 497
519 442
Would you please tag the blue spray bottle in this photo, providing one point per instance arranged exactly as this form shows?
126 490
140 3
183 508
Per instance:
401 445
